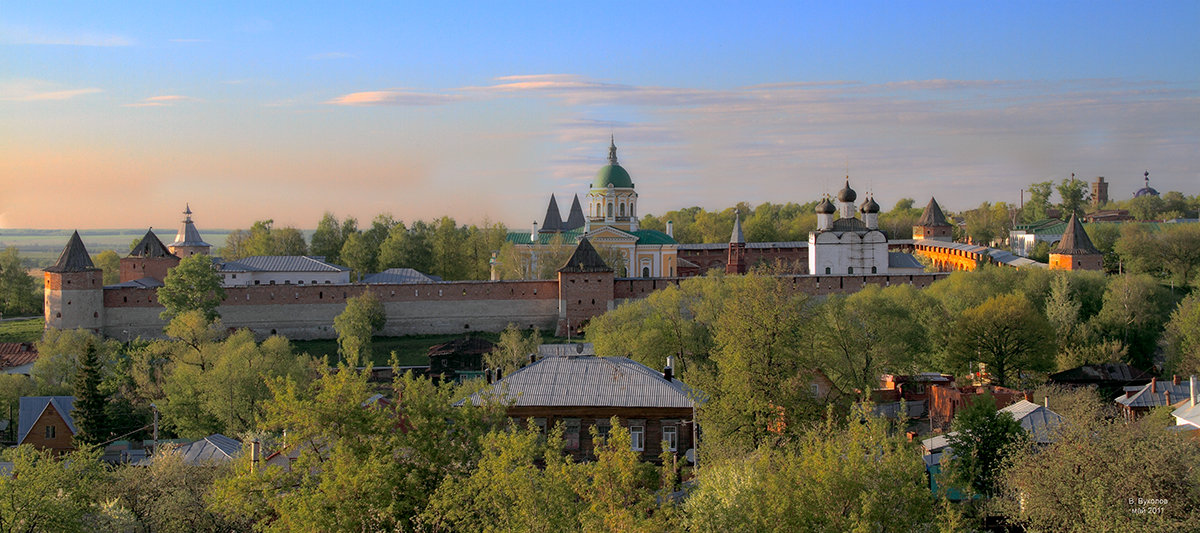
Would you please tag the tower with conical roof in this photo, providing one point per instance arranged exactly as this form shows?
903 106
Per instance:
933 224
188 241
585 288
552 223
1075 250
148 259
736 262
575 219
612 200
74 290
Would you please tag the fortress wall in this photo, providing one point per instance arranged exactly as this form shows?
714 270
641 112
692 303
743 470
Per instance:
307 312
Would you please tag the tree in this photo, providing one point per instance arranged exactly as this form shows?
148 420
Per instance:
89 413
59 354
982 438
1183 337
358 255
856 473
193 284
1095 477
1134 312
1039 201
360 320
1005 332
512 352
391 250
858 340
45 493
169 494
448 256
1073 196
20 294
110 263
327 240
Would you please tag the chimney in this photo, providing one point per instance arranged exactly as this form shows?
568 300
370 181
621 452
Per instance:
670 229
1046 401
499 374
669 371
487 373
532 358
255 452
1153 385
1028 397
533 234
1167 397
1175 379
1192 392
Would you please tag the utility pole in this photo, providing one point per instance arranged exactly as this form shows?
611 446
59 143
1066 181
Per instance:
154 437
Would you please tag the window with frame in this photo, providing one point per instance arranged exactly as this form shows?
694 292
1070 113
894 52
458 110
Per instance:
571 434
50 430
540 423
670 438
603 428
637 435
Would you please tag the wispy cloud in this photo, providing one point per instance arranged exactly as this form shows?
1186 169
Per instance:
332 55
29 36
394 98
189 40
162 101
39 90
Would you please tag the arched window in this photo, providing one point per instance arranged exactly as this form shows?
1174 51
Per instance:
622 209
610 210
827 271
849 270
645 272
874 270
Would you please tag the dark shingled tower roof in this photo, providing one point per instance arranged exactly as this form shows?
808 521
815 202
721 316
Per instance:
150 246
933 215
1075 241
585 259
553 222
74 257
736 237
575 219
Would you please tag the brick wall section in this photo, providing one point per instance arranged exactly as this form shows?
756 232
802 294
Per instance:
77 281
627 288
1076 262
139 267
709 259
62 436
582 295
324 294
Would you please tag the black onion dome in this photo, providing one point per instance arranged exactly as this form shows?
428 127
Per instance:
825 207
869 206
847 194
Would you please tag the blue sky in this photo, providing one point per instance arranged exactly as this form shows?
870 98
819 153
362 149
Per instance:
481 110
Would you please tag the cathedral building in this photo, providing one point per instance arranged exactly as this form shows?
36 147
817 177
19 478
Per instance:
609 221
848 245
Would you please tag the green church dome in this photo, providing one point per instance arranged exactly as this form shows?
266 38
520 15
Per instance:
613 174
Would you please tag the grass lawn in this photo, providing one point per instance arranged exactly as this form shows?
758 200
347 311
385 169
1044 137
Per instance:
410 349
22 330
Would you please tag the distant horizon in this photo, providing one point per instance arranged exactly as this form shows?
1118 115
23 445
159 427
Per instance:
124 114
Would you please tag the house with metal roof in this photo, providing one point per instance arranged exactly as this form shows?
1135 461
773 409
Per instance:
213 449
1188 413
45 422
1139 400
581 392
281 270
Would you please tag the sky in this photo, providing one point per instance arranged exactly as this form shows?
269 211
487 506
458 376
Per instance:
118 116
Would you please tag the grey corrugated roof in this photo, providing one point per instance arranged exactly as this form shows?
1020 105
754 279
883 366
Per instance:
280 263
903 260
30 408
585 259
399 275
932 215
213 448
149 246
74 258
591 381
1037 420
577 348
1075 240
1144 398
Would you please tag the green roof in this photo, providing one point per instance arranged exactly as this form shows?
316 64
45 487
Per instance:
613 174
522 237
649 236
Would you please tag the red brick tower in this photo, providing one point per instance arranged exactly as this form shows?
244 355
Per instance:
1075 250
933 224
585 288
149 259
737 249
74 294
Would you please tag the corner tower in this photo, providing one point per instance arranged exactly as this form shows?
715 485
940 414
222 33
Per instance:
188 241
74 290
585 288
148 259
933 224
612 200
1075 250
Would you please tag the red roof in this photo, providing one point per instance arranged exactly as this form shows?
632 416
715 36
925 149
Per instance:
17 354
